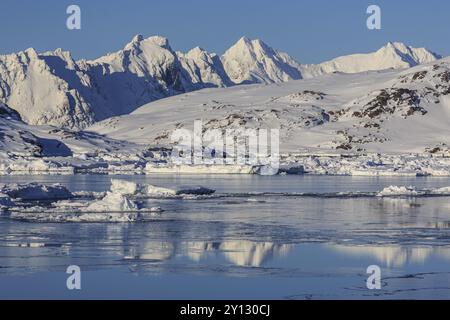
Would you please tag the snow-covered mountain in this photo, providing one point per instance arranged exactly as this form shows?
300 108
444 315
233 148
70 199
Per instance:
204 69
52 88
379 118
253 61
392 56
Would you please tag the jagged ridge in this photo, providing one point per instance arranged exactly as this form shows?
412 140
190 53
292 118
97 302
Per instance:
52 88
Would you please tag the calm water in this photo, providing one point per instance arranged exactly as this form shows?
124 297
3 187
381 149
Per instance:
250 247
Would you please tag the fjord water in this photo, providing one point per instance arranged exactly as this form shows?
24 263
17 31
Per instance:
247 244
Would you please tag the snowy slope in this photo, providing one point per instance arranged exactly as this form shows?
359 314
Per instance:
20 139
389 112
52 88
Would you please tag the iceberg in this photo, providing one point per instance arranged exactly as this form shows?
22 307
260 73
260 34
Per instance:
395 191
112 202
35 191
123 187
441 191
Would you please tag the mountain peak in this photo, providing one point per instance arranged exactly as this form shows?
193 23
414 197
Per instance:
31 52
412 55
253 61
137 38
196 52
244 40
160 41
397 46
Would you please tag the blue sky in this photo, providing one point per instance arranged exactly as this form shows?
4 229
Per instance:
310 30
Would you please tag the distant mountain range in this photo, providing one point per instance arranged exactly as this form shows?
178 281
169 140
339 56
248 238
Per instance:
52 88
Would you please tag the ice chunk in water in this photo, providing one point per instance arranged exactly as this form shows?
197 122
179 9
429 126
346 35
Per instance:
35 191
124 187
112 202
398 191
133 189
182 190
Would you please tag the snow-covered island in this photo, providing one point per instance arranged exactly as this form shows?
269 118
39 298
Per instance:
381 113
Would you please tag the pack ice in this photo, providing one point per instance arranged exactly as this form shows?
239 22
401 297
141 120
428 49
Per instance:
124 202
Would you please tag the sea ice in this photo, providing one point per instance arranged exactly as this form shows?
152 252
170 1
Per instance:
112 202
123 187
182 190
35 191
441 191
393 191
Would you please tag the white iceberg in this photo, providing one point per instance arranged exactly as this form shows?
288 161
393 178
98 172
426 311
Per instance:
445 191
159 191
124 187
112 202
395 191
127 188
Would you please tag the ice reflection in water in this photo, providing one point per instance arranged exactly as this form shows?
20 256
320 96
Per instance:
240 253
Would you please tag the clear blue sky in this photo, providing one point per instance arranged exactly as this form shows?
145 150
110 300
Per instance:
310 30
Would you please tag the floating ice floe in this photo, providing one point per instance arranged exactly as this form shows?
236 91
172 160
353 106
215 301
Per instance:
117 205
113 202
120 204
35 191
156 191
403 191
136 190
393 191
441 191
123 187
